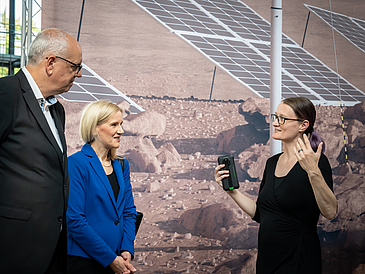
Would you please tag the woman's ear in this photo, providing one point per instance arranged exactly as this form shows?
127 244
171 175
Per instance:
303 127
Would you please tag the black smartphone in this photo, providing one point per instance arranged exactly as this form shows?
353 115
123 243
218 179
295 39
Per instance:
230 182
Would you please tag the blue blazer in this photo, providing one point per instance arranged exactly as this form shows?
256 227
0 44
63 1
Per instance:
98 226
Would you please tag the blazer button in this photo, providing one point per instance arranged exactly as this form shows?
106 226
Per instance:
60 219
116 222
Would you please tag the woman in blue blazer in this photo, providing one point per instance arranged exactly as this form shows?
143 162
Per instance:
101 213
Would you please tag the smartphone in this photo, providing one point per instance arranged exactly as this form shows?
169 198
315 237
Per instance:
230 182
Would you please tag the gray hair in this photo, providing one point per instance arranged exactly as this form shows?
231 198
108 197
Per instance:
49 41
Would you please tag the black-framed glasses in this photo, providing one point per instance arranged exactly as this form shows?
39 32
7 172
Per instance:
78 67
281 120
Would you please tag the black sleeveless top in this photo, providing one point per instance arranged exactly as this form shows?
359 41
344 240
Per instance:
114 184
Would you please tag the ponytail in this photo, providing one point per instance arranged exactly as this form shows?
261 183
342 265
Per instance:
315 140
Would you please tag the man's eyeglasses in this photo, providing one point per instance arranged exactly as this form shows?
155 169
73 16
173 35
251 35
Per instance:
281 120
77 67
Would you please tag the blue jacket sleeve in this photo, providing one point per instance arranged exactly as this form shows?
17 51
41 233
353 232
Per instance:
129 213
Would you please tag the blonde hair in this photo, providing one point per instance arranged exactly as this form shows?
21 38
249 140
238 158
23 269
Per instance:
93 115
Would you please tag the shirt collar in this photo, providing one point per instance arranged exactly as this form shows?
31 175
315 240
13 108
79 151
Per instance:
37 93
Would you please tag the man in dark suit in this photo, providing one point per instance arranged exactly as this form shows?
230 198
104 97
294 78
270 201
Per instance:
33 157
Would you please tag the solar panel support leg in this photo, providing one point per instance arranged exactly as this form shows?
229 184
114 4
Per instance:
306 26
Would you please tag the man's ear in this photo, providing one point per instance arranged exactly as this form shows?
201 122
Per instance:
49 64
303 127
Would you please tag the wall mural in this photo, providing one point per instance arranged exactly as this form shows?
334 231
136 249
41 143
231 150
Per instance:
158 64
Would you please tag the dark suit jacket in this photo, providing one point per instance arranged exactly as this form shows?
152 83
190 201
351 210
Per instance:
33 180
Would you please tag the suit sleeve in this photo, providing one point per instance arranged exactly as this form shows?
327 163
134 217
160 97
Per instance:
8 91
129 213
77 223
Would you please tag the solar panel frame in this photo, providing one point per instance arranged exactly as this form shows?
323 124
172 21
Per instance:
352 29
91 87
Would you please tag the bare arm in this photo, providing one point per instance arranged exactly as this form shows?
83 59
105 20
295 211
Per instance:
325 198
245 203
308 159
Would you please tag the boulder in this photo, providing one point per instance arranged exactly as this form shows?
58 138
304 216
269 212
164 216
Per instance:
350 219
146 123
143 156
356 112
255 104
223 222
168 156
253 160
355 130
240 138
256 112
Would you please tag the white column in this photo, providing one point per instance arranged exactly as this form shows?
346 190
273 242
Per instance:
275 67
30 24
24 29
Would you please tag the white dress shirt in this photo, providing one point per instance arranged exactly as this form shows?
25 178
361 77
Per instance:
44 104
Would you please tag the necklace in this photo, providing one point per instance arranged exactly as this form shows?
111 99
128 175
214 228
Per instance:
110 162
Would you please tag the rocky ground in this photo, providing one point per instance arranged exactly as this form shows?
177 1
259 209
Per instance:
190 225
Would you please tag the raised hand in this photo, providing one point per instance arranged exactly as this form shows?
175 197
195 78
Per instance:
307 158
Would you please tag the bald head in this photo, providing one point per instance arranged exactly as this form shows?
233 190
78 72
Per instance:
53 61
49 41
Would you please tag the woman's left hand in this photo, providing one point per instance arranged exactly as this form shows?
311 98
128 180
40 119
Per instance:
126 256
307 158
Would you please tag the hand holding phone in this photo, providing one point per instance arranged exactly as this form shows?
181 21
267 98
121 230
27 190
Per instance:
230 182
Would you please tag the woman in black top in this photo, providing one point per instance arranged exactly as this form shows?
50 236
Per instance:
296 187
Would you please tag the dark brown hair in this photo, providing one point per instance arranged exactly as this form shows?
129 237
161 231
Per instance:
304 109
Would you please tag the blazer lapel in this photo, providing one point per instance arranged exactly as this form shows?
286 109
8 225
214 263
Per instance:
120 177
98 168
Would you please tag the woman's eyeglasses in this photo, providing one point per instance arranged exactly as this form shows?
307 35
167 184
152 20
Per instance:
281 120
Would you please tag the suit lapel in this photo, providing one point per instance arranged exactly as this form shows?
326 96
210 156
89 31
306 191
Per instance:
59 126
37 113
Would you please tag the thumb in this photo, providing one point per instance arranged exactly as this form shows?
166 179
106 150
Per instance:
130 267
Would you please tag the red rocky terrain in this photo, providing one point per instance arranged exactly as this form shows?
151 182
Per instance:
190 224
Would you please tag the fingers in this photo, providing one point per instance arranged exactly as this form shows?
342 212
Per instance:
219 174
120 265
130 268
320 147
219 167
304 144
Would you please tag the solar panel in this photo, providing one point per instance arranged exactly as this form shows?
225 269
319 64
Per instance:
91 87
237 39
351 28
